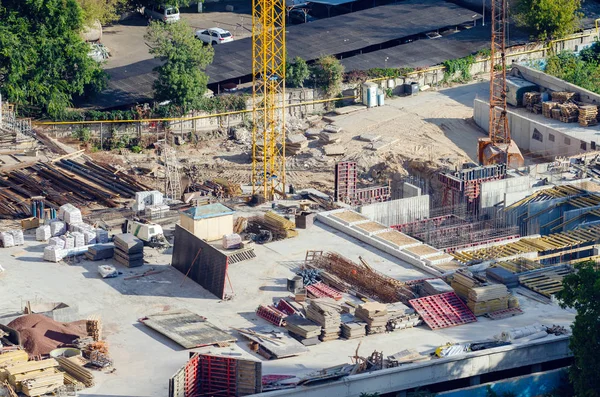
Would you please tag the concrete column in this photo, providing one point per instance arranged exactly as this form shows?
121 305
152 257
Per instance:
536 368
475 380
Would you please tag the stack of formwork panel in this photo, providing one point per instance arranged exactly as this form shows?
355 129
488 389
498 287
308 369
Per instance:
488 298
436 286
588 115
326 313
354 329
547 108
100 251
376 316
303 329
129 250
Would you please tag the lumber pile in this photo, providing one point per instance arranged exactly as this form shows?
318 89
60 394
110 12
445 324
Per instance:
94 328
281 224
354 329
34 378
303 330
462 282
530 99
588 115
229 188
295 143
326 313
569 112
76 371
488 298
376 316
556 113
547 108
564 96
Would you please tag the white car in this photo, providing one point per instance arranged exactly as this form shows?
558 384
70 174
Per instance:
214 36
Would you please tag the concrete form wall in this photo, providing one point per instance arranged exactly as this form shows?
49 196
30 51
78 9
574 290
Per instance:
397 212
411 376
494 192
522 128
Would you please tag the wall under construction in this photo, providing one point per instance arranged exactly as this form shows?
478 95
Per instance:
200 261
396 212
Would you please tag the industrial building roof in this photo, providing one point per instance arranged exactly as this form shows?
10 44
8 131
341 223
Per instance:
345 34
208 211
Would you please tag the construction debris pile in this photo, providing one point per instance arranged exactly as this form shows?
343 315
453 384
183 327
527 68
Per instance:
270 227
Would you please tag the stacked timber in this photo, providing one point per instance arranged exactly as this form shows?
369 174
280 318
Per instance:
295 143
530 99
556 114
303 329
11 358
564 96
436 286
93 328
354 329
325 312
282 225
588 115
129 250
76 371
462 283
488 298
547 108
35 378
569 112
376 316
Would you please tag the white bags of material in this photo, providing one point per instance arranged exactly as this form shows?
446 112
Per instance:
70 214
78 239
7 239
43 233
69 241
53 253
58 228
89 237
17 236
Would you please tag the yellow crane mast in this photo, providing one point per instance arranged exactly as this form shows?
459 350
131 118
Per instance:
268 95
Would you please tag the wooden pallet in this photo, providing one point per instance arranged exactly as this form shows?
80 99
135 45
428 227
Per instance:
546 282
505 313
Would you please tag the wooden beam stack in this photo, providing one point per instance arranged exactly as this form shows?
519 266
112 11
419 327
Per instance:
35 378
376 316
76 371
547 108
588 115
569 112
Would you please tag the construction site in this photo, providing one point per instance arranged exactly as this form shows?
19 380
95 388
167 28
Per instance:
394 248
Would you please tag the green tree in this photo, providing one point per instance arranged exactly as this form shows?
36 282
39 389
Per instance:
43 61
581 291
329 74
105 11
181 79
548 19
583 70
297 72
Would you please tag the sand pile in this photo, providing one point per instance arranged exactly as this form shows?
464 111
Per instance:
40 334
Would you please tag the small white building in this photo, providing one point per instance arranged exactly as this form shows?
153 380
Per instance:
208 222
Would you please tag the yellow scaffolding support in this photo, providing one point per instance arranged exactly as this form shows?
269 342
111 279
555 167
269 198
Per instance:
268 95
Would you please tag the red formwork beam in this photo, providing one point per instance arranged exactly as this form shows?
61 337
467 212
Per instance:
218 376
272 315
321 290
443 310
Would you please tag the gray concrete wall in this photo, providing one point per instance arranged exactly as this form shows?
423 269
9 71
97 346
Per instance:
410 190
494 192
522 129
438 370
397 212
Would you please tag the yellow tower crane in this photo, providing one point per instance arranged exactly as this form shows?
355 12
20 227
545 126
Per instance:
268 95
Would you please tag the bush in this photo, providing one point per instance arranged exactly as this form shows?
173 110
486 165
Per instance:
83 134
460 67
297 72
329 74
136 149
356 77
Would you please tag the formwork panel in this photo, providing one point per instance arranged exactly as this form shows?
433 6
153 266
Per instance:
443 310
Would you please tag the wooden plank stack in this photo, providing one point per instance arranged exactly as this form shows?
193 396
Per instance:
588 115
94 328
354 329
376 316
462 282
283 225
547 108
326 313
569 112
488 298
555 113
76 371
303 329
530 99
35 378
564 96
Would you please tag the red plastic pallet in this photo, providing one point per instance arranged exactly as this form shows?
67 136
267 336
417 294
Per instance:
285 307
321 290
443 310
271 314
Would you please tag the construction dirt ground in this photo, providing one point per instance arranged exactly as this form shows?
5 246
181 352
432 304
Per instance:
425 132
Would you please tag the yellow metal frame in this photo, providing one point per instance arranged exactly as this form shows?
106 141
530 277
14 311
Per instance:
268 95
